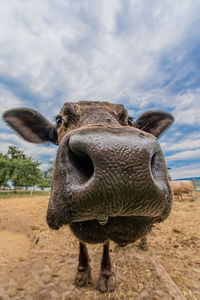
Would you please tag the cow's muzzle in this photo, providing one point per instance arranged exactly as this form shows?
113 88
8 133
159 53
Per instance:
101 173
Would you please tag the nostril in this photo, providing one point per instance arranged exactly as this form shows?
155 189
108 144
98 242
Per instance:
156 166
82 165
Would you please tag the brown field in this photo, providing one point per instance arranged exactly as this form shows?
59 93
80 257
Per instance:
38 263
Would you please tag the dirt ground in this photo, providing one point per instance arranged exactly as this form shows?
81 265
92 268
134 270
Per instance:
38 263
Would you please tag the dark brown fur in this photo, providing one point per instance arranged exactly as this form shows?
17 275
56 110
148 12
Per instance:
85 114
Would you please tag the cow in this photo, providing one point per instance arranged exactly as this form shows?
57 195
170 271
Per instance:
110 177
180 187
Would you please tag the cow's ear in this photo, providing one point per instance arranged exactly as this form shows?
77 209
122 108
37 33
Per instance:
154 122
31 125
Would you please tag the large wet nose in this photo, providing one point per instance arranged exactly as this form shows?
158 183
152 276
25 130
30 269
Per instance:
108 172
118 154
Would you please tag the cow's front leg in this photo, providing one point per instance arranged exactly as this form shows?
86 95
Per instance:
83 275
106 278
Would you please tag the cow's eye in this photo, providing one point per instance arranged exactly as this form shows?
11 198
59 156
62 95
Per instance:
130 121
59 120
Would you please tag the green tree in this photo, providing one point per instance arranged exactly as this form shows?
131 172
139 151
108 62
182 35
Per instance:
4 171
21 169
46 176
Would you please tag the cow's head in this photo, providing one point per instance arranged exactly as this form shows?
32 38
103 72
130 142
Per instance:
106 164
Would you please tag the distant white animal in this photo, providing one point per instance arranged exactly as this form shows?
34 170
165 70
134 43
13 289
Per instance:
181 187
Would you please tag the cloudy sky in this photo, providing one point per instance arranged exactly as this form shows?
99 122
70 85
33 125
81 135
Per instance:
144 54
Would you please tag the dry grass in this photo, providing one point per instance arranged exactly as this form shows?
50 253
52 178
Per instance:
37 263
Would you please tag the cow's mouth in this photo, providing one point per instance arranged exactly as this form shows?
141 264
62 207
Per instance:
57 219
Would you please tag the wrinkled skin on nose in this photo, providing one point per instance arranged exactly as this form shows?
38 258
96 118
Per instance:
107 172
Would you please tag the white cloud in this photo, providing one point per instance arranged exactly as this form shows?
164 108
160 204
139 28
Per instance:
44 166
187 108
189 116
33 150
187 143
36 151
189 154
93 50
12 137
187 171
57 51
4 147
8 99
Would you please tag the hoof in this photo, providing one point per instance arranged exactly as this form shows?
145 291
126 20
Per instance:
143 247
83 278
106 283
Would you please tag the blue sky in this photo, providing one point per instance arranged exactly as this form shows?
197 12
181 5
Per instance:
144 54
